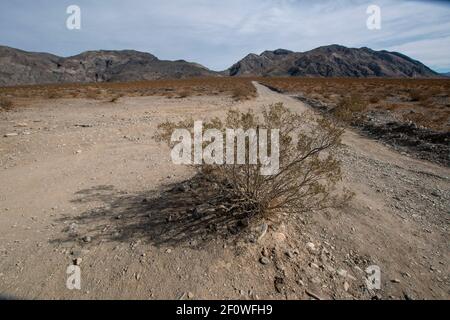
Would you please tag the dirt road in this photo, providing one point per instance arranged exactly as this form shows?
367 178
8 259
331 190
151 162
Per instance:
84 179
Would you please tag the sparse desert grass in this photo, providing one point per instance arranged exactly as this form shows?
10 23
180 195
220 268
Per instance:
427 99
418 94
237 88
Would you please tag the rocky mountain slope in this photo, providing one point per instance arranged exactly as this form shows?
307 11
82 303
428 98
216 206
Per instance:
331 61
19 67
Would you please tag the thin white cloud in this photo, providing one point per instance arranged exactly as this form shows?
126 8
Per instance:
425 51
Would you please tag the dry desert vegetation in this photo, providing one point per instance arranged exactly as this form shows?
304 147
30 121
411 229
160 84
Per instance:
238 89
411 115
84 180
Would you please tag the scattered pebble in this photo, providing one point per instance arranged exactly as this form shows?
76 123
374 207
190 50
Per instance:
279 236
263 230
310 246
290 254
13 134
346 286
408 296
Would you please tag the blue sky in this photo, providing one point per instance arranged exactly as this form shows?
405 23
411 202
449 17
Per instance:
218 33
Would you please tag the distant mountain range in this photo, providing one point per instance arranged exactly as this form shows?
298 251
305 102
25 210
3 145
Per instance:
19 67
331 61
446 74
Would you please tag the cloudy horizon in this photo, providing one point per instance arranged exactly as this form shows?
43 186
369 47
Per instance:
219 34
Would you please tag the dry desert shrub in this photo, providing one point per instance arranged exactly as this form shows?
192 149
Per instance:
418 118
417 95
115 98
184 94
6 104
349 108
52 94
395 106
92 94
308 170
374 99
438 121
239 94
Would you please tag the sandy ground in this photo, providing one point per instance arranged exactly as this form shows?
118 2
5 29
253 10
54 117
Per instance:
85 168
